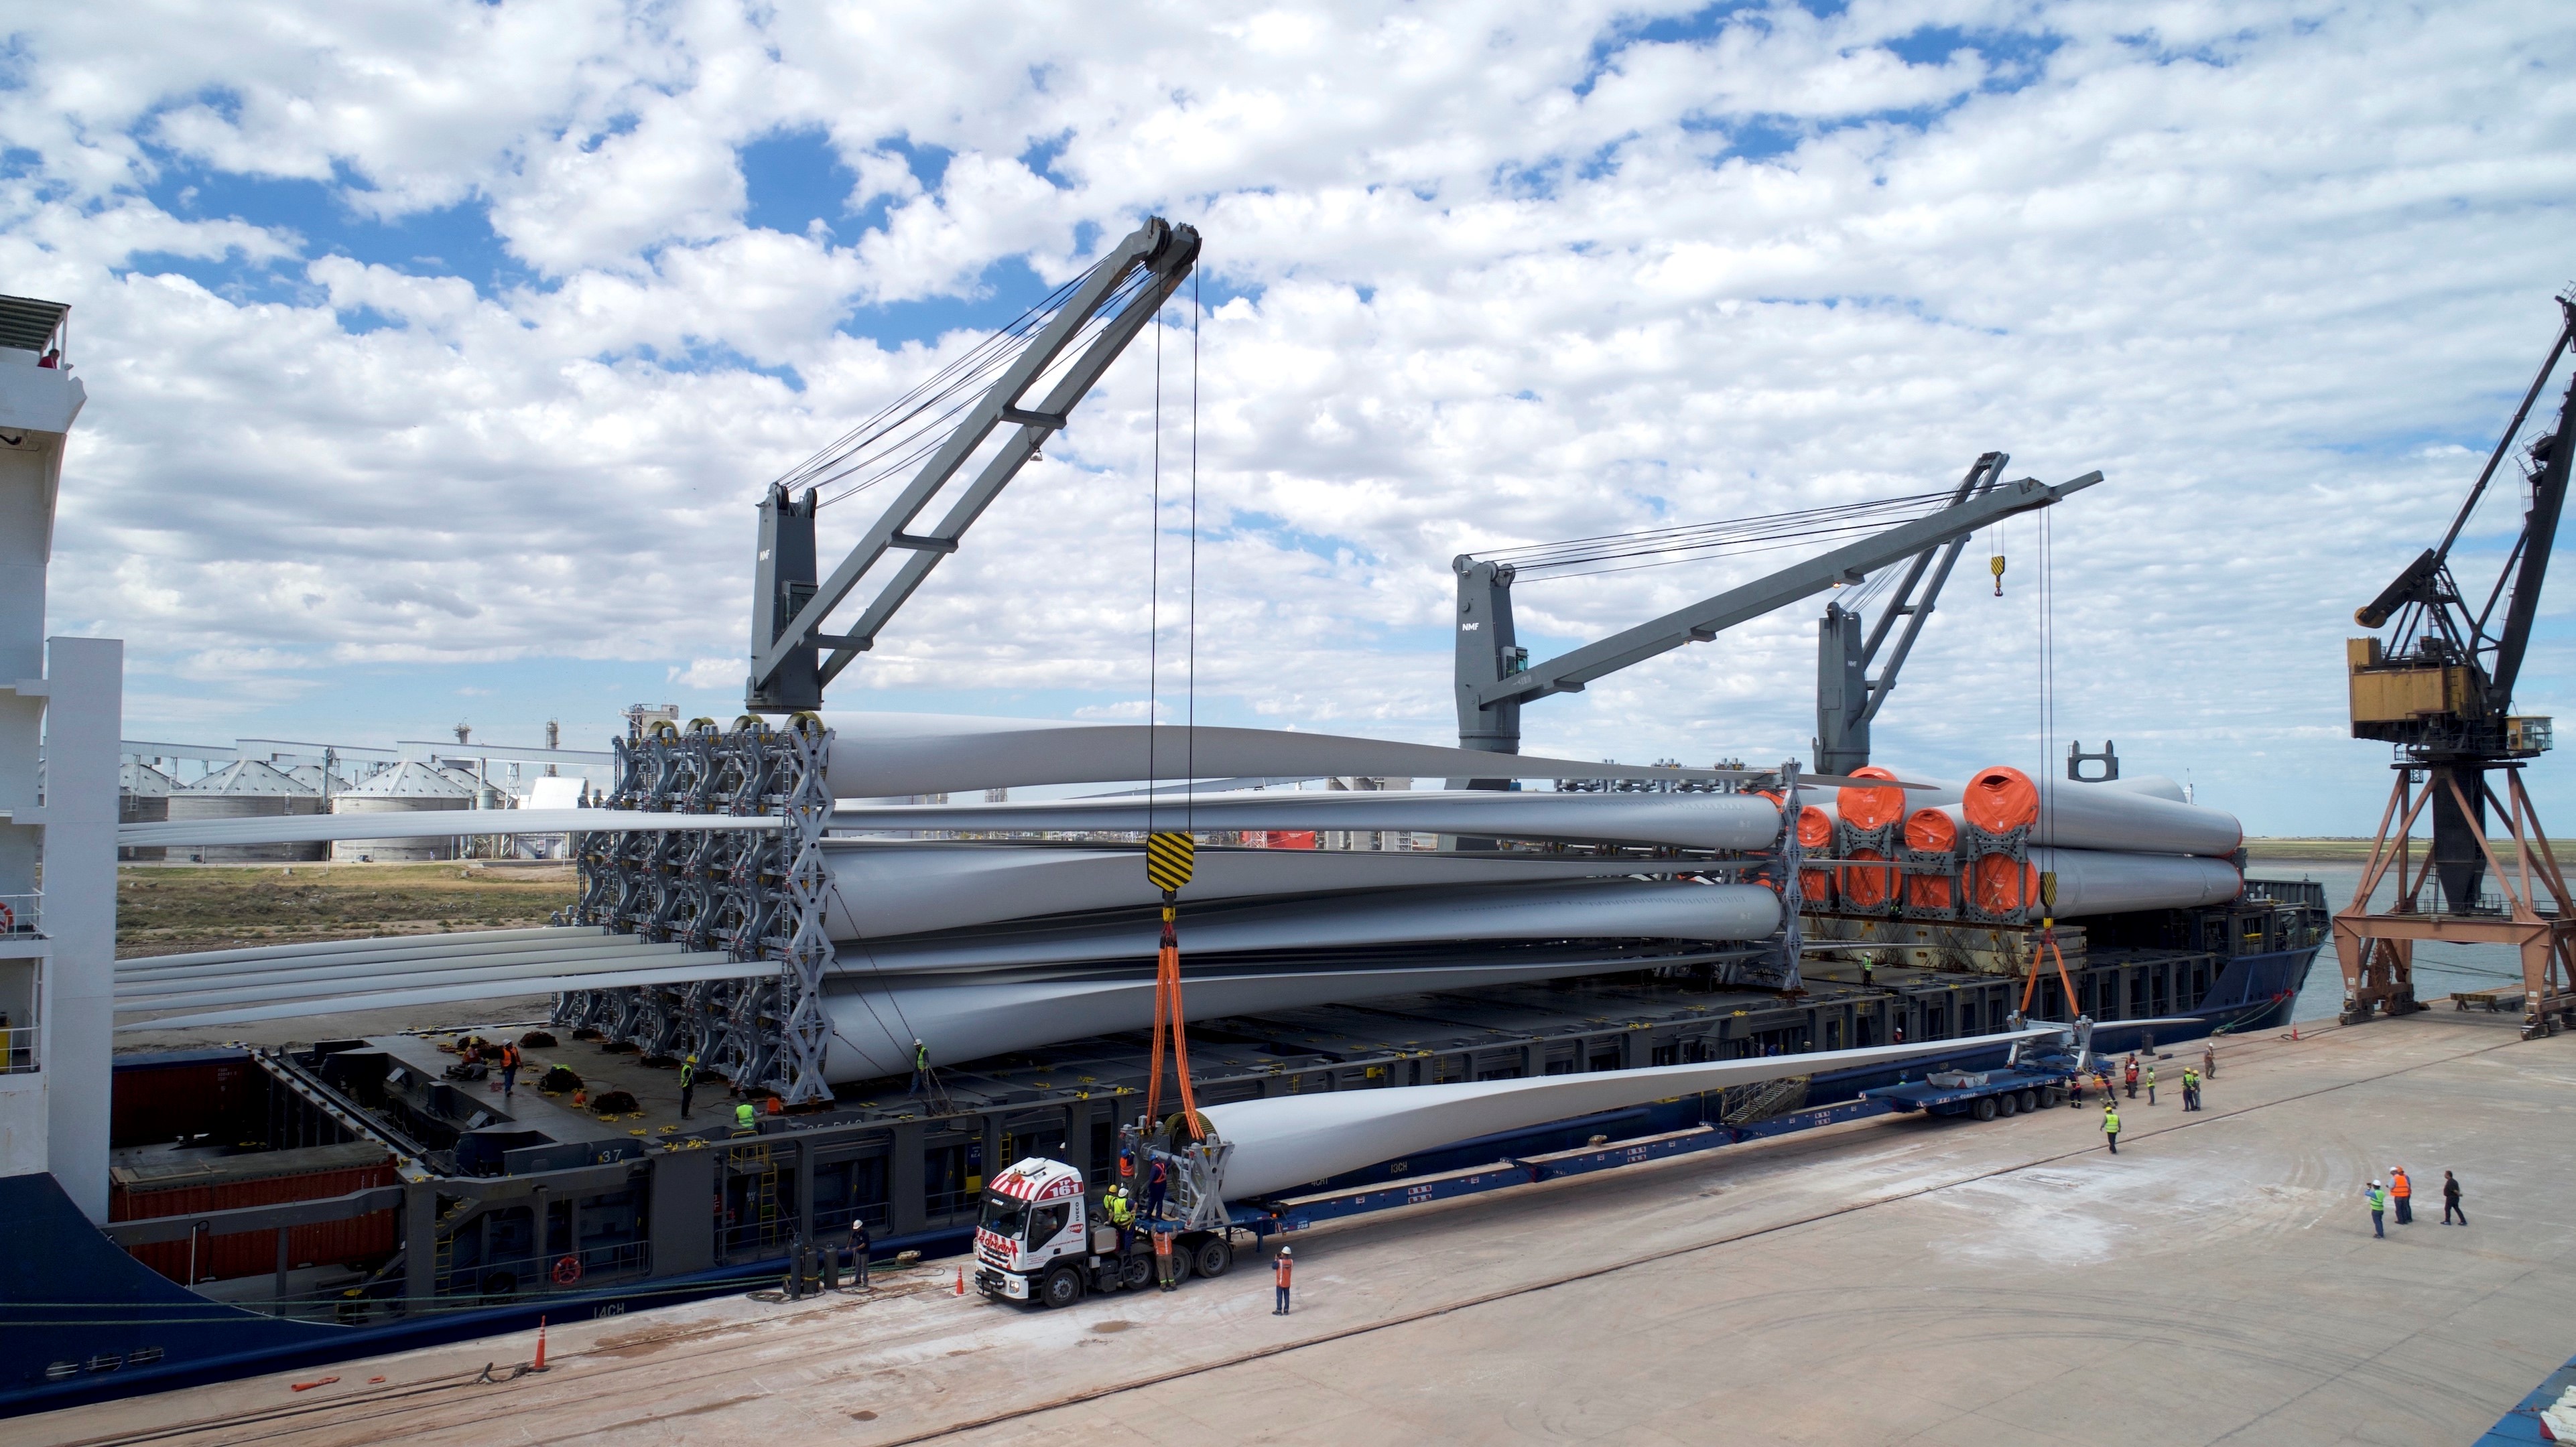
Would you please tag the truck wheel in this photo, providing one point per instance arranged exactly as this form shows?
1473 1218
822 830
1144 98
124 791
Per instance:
1136 1273
2052 1097
2029 1102
1212 1256
1984 1108
1063 1287
2006 1103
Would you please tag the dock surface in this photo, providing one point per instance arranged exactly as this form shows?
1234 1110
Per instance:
1904 1280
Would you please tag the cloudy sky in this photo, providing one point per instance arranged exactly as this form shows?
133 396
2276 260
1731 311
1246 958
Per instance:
437 353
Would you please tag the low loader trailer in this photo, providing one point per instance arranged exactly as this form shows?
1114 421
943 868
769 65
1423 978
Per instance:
1044 1239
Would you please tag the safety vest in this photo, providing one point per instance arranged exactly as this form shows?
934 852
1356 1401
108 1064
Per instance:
2378 1198
2399 1186
921 1057
688 1075
2190 1078
1120 1212
509 1057
1282 1267
2151 1075
2111 1122
744 1116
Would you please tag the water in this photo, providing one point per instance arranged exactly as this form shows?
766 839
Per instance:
2439 968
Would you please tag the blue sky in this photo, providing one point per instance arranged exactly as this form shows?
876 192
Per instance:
437 353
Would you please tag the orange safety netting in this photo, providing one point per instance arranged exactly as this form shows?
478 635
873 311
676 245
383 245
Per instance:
1866 887
2001 884
1815 828
1932 829
1866 808
2000 800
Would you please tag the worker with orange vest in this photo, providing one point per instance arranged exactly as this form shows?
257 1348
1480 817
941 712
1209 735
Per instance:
2133 1077
1279 1278
509 1069
2402 1191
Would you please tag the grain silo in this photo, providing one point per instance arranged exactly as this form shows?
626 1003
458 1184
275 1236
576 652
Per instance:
246 789
142 797
410 787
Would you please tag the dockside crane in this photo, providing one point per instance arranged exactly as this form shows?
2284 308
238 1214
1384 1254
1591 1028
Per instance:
1494 677
2439 688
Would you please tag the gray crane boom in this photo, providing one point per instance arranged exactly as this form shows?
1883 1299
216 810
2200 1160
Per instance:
1492 686
1847 698
789 608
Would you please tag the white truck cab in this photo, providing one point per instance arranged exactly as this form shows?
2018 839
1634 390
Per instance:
1038 1241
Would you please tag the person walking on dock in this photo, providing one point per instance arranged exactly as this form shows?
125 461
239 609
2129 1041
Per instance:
2151 1085
2451 1200
2377 1195
509 1069
2403 1191
2133 1077
2111 1126
688 1082
2209 1062
1279 1280
859 1253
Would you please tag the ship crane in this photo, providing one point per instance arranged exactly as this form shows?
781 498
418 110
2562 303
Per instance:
1494 677
980 406
2439 688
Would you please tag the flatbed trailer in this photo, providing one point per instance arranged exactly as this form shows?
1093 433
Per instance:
1983 1094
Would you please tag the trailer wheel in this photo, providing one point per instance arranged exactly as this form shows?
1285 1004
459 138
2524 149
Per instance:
1211 1257
2052 1096
2007 1104
1063 1287
1983 1108
2029 1102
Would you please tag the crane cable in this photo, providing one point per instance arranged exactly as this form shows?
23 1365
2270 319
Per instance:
1169 854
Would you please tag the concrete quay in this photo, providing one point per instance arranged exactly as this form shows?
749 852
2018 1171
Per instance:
1890 1281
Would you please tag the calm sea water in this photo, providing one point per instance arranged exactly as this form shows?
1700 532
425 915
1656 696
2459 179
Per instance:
2439 968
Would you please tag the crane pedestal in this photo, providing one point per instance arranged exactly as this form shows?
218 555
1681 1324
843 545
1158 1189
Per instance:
2534 913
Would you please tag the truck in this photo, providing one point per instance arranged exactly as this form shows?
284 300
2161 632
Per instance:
1042 1238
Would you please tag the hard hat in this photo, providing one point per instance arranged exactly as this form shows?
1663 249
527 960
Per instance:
2374 1181
1283 1251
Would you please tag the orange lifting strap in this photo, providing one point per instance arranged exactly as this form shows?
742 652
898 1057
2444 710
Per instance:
1168 859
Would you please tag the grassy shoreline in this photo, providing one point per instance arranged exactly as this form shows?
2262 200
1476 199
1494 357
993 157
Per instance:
174 908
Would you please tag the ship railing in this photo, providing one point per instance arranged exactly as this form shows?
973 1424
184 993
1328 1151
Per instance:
18 1046
22 914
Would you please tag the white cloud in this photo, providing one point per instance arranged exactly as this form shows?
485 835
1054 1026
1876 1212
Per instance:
1497 277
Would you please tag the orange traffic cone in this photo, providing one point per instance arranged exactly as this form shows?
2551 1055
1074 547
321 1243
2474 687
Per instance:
2294 1030
961 1281
541 1346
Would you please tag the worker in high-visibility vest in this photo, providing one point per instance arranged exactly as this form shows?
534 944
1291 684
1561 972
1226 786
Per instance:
2111 1126
1165 1267
920 1069
2377 1196
2190 1088
2133 1077
1122 1213
1279 1281
745 1118
509 1069
2151 1084
688 1082
2402 1191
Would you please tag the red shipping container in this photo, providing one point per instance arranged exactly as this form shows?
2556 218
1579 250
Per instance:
259 1178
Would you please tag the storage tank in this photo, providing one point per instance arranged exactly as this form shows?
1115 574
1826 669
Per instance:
410 787
142 797
245 789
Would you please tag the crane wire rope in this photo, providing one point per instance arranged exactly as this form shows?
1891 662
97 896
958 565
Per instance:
1767 532
905 432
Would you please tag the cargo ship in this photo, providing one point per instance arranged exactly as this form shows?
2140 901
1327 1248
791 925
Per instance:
274 1209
